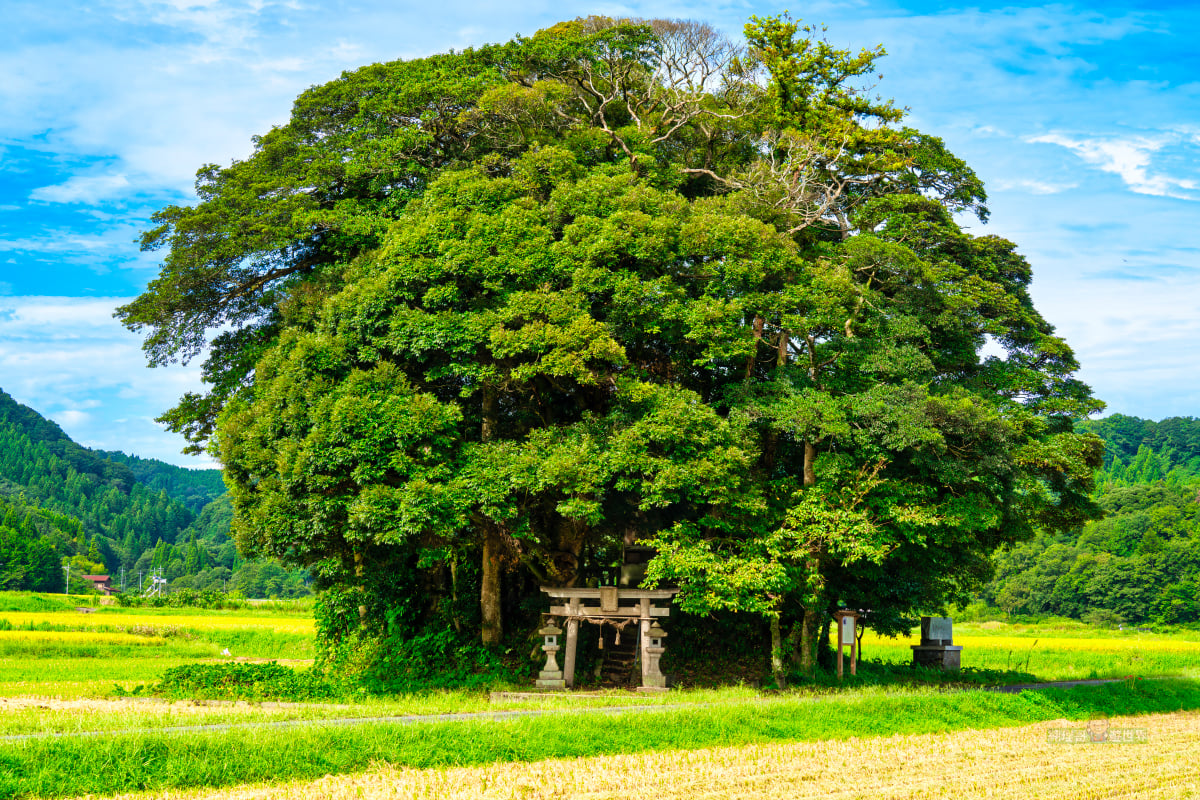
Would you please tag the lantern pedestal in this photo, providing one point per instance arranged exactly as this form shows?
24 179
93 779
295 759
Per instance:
551 677
652 650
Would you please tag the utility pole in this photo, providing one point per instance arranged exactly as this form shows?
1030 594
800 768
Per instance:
67 588
122 580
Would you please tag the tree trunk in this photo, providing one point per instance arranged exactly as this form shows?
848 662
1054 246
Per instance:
810 457
758 335
777 654
489 592
491 413
454 595
794 644
359 572
771 440
810 624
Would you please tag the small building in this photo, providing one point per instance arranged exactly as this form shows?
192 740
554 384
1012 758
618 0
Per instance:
102 583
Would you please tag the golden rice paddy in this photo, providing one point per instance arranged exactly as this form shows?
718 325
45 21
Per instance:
1113 644
205 622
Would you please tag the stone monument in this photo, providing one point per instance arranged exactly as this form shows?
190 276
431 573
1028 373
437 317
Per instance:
937 647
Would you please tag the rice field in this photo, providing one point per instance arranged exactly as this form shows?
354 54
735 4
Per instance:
1017 763
111 618
1058 655
67 653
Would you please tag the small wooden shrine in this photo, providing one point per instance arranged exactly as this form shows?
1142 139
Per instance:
638 609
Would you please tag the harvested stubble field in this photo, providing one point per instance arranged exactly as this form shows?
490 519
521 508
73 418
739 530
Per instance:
1017 763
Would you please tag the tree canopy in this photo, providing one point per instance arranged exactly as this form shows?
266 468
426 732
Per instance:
482 319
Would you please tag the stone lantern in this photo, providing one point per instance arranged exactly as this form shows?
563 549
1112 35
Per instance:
551 676
652 677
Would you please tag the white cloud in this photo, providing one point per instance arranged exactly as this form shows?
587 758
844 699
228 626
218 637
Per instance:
68 359
1129 159
71 418
88 189
107 245
1032 186
1138 355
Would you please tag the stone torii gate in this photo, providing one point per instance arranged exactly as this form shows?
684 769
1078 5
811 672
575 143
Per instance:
616 605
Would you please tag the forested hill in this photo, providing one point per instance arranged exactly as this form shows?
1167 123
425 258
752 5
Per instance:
1142 451
195 488
108 512
1141 562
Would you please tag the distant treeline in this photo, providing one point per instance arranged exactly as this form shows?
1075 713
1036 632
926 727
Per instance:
114 513
1139 564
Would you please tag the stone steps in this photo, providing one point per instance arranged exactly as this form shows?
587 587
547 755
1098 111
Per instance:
618 666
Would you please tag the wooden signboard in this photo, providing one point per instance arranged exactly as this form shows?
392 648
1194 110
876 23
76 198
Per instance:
847 631
847 625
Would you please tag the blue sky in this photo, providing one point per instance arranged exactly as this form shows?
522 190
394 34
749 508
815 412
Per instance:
1082 119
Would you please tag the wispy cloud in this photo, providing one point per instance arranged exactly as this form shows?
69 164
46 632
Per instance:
82 189
1033 186
72 418
69 359
1130 160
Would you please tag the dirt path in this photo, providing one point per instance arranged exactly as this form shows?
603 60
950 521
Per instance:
409 719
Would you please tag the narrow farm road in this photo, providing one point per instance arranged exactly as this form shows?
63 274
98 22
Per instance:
409 719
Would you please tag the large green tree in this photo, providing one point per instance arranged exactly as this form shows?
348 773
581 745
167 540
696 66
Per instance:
624 280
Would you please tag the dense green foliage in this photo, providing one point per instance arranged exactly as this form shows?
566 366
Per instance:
194 488
238 681
483 319
1139 564
30 539
150 761
106 512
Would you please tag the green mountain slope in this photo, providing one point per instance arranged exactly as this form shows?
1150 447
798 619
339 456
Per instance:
194 488
1141 562
115 513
